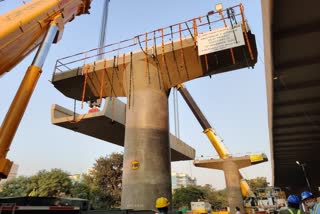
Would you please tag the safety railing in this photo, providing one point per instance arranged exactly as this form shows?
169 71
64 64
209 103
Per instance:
191 28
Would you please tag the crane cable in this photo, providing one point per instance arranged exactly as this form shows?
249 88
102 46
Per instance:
74 119
102 79
103 29
182 52
124 72
84 84
245 32
163 57
155 58
146 59
173 52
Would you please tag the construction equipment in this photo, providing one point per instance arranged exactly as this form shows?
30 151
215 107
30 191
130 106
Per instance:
201 207
208 130
219 146
271 199
22 30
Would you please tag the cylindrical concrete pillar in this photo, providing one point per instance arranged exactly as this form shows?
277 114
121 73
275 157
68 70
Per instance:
232 177
146 169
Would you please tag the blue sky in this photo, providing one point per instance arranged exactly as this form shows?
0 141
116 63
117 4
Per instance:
234 103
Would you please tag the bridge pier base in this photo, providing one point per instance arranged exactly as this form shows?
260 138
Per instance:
232 178
147 167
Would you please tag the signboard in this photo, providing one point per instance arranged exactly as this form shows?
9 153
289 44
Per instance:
135 164
220 39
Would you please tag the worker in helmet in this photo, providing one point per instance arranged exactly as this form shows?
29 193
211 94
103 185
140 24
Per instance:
311 202
293 205
162 204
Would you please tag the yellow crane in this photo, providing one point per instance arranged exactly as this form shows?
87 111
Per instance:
214 138
36 23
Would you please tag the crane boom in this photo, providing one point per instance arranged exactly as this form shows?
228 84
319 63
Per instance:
23 29
36 23
211 134
208 130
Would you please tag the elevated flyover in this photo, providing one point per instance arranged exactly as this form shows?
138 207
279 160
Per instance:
144 69
292 62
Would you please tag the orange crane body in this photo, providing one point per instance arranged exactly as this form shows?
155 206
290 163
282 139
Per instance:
36 23
23 29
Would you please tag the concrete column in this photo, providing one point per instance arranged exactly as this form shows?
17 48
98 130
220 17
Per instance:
232 177
147 169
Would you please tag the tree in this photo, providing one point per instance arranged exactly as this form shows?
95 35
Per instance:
55 183
80 190
17 187
105 181
258 182
102 186
217 198
222 200
182 197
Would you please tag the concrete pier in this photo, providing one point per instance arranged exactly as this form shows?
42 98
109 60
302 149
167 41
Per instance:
230 167
147 169
233 178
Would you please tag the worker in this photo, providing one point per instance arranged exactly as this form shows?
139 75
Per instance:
310 201
162 204
293 205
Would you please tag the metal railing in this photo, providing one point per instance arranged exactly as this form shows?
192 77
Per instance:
193 27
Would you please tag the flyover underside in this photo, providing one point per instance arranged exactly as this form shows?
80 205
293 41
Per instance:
295 86
108 125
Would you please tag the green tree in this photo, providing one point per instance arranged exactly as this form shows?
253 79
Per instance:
17 187
55 183
222 200
258 182
105 181
80 190
182 197
217 198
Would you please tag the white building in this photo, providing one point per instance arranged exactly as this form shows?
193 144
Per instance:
12 174
181 180
76 177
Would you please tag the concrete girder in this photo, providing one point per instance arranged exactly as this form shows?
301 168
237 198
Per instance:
96 124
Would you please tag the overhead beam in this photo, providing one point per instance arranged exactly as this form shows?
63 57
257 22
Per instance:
297 143
303 148
291 155
296 63
303 132
295 115
297 30
294 125
296 86
305 101
304 139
